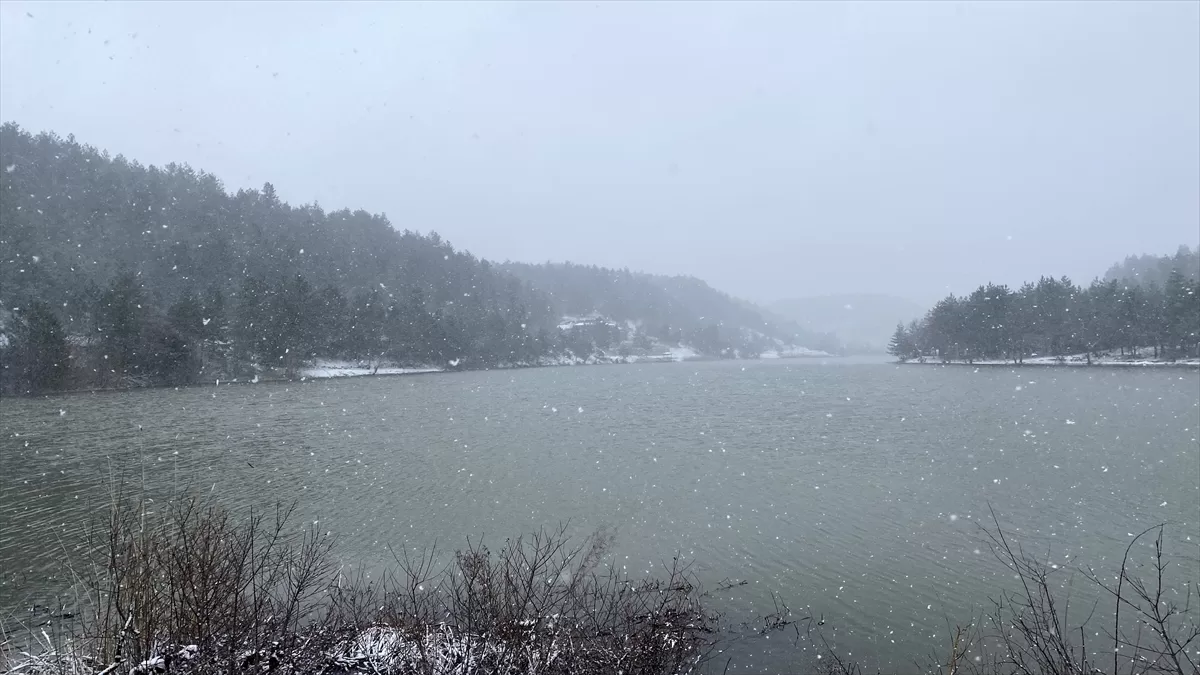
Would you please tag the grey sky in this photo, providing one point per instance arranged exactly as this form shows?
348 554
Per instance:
772 149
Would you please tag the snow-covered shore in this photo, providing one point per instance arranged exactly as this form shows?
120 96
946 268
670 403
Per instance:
1073 360
794 353
376 650
325 369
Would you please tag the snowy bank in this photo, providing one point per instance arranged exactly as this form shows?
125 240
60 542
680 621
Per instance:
682 353
792 352
1073 360
325 369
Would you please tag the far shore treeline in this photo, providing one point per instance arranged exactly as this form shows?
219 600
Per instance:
114 274
1147 305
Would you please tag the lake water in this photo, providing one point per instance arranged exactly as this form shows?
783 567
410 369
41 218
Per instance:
849 490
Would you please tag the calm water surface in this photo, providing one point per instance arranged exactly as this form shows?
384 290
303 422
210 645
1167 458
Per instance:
852 491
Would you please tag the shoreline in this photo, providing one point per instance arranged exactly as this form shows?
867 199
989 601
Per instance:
354 372
1192 364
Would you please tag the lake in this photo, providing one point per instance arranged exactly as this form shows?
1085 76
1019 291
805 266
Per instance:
849 490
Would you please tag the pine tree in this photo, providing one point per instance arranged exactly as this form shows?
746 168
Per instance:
41 350
1131 319
214 323
291 336
901 344
254 316
120 318
1177 315
187 316
169 356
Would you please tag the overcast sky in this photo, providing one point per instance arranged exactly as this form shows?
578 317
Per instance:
772 149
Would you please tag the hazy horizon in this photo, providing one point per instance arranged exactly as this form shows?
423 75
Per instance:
773 150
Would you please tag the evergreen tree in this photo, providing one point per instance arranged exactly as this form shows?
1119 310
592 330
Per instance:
329 322
916 340
40 350
901 345
169 357
290 337
255 317
187 317
1179 316
120 318
213 321
1131 319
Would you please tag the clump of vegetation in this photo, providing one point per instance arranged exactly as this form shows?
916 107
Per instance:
196 590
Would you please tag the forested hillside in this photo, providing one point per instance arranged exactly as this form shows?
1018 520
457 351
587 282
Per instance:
1128 313
159 275
115 274
671 310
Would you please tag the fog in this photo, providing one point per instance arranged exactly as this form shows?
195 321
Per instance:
774 150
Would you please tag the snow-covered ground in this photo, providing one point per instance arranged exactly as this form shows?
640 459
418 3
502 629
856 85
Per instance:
594 319
682 353
1107 359
322 369
382 650
657 352
572 360
662 354
792 352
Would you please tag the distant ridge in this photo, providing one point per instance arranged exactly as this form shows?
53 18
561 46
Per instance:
673 309
864 321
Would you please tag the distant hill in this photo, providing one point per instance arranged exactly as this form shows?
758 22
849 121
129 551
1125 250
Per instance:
864 322
673 310
1146 270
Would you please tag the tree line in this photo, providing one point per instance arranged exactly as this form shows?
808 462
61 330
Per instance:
1055 317
115 337
116 274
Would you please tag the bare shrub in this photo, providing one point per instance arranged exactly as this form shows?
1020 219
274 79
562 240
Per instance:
540 604
194 575
195 589
1028 631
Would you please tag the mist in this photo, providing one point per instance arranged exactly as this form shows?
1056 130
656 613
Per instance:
774 150
738 337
